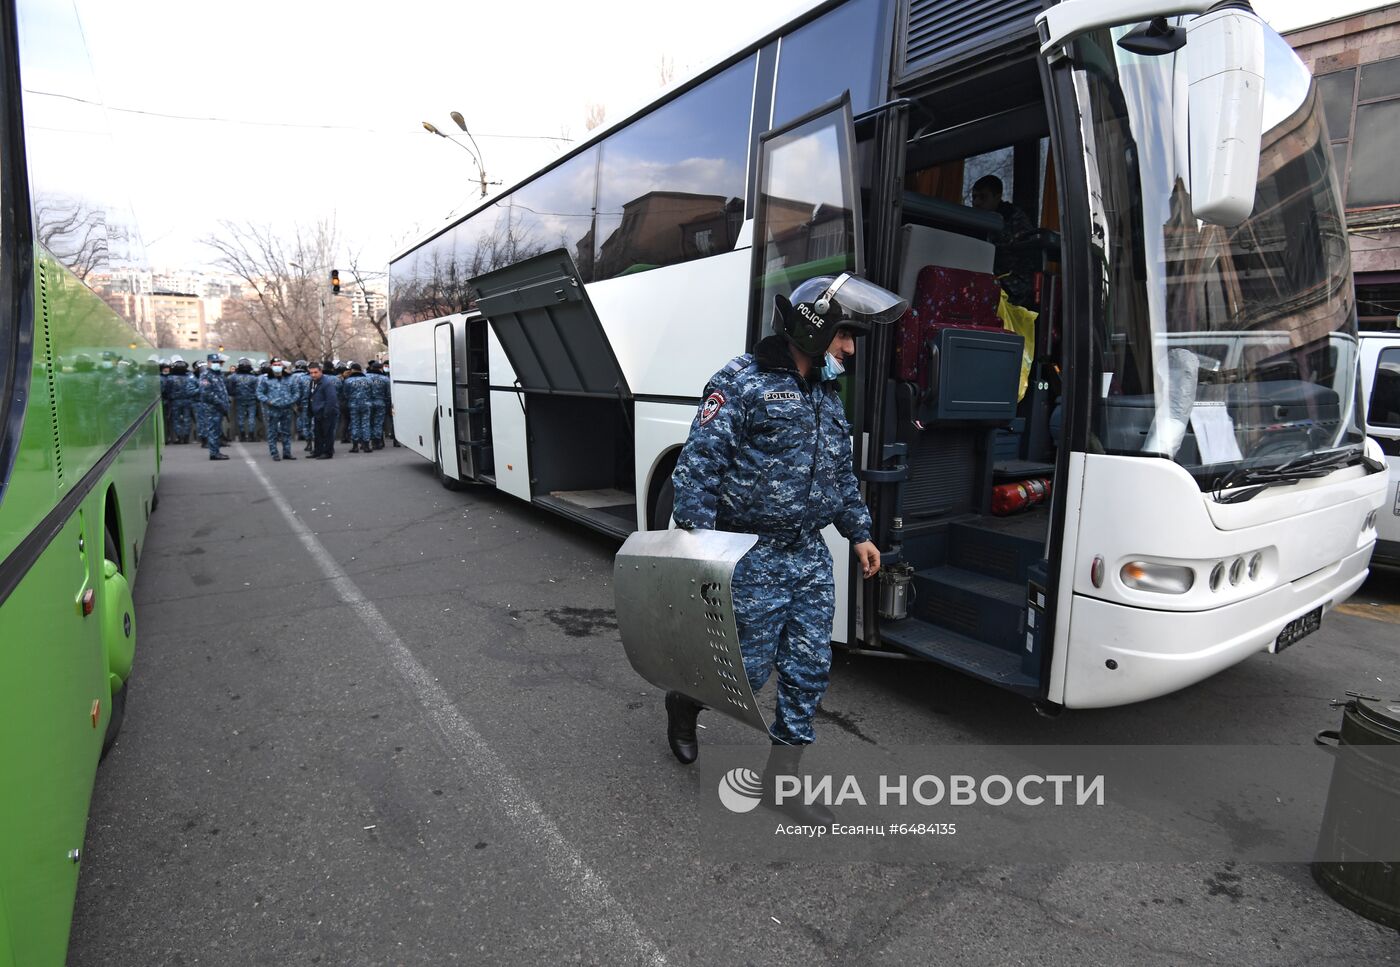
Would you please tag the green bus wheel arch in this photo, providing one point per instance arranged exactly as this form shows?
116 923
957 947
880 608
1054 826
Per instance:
118 619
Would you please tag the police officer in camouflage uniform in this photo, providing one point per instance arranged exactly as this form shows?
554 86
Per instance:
301 381
378 403
769 453
243 386
214 402
277 393
358 388
165 399
183 389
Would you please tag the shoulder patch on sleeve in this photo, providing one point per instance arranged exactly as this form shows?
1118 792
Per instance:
710 407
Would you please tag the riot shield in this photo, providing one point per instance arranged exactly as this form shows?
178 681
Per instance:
675 614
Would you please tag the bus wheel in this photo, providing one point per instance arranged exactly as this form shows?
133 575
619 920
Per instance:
118 635
665 504
450 483
1047 710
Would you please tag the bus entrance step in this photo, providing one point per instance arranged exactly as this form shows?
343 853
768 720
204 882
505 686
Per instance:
976 605
961 653
617 519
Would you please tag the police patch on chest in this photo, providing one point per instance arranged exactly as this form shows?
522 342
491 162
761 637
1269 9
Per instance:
781 396
710 407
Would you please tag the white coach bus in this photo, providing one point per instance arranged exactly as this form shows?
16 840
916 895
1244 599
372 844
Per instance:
1184 420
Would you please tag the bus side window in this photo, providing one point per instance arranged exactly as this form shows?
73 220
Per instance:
1384 408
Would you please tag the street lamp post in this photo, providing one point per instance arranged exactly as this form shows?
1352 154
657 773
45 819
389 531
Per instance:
475 155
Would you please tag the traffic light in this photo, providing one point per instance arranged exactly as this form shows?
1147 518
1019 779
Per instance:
335 281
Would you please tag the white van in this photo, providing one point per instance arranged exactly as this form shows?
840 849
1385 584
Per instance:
1380 382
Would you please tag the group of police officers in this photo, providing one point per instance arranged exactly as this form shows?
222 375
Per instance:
318 398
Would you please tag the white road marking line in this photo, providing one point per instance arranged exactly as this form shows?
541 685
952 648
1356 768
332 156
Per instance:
564 862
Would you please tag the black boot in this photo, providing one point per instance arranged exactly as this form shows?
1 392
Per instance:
356 447
681 713
786 760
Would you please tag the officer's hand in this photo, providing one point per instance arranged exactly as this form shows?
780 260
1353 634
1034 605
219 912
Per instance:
869 556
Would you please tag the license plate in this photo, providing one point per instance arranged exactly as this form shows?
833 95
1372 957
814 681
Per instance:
1298 628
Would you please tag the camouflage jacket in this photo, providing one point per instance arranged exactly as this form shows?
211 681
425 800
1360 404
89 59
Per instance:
357 389
182 387
243 386
302 382
379 385
277 392
213 391
769 453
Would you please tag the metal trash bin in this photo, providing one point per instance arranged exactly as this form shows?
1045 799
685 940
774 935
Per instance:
1361 824
675 615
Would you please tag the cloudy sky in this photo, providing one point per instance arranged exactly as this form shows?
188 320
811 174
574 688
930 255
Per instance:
284 112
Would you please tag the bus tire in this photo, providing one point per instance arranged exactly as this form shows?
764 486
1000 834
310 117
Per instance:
114 721
449 482
662 508
117 714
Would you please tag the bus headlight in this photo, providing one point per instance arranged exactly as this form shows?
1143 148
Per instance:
1162 578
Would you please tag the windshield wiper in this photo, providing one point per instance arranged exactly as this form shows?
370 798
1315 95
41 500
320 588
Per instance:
1252 481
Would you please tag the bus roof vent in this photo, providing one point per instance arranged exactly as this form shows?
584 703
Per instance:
942 33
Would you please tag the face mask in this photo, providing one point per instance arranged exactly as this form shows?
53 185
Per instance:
832 367
277 370
216 366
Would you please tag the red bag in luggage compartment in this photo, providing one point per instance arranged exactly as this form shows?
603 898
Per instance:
943 299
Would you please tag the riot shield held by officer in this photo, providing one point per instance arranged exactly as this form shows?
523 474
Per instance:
769 453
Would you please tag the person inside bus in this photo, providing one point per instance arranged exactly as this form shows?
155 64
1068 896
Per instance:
769 453
1015 265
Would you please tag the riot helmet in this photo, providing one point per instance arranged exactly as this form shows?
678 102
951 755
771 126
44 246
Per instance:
245 365
818 307
300 365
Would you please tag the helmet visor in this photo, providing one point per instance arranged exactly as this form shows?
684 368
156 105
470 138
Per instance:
865 302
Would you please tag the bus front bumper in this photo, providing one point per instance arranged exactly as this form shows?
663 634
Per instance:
1119 654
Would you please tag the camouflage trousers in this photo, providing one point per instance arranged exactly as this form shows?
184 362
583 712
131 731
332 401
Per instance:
784 602
181 415
210 426
279 428
247 415
359 422
304 421
376 420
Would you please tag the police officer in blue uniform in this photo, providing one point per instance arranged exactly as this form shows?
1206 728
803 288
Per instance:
243 386
769 453
301 380
214 402
378 403
277 394
358 391
183 389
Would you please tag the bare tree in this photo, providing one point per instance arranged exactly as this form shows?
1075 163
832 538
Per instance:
74 230
596 114
666 71
291 312
164 330
378 318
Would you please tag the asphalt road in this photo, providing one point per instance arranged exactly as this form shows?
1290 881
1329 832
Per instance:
377 722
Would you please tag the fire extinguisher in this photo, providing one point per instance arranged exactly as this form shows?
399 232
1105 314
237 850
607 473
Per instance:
1012 497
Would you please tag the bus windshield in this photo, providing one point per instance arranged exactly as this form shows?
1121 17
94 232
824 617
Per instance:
1216 347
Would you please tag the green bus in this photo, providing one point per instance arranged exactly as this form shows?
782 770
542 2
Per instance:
80 450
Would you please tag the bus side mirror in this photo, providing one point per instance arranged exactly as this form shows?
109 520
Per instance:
1225 71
